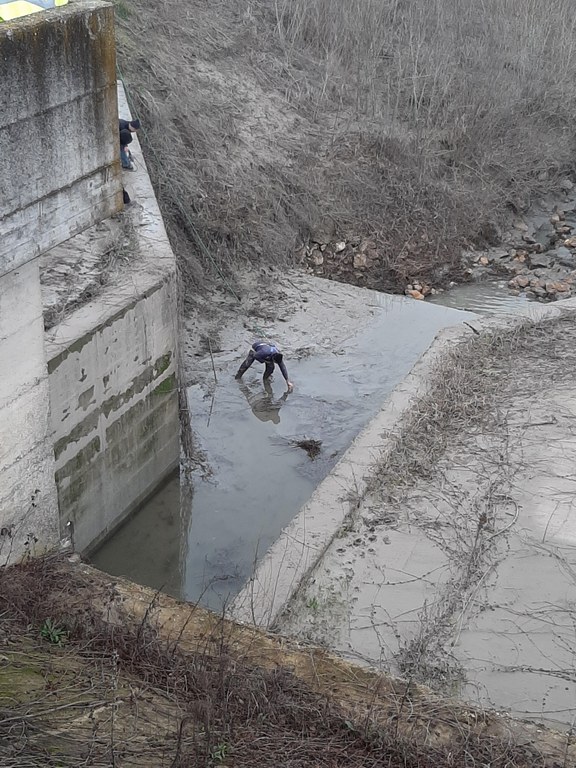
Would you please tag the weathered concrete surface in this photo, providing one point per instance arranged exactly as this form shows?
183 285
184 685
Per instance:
112 365
466 579
28 506
77 270
59 165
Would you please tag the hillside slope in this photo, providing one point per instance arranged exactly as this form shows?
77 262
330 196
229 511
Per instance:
417 125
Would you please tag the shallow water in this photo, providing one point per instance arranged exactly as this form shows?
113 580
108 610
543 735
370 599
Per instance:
205 549
486 297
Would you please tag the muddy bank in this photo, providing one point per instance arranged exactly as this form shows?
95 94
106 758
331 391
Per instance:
457 568
126 676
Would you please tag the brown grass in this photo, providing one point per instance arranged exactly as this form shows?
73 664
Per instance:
212 708
413 123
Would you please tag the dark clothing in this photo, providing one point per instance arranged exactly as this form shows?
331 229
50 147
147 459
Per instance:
267 354
264 406
124 125
125 137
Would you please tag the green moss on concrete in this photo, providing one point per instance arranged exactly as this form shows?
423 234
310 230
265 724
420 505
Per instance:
166 387
80 462
162 364
138 385
83 429
81 342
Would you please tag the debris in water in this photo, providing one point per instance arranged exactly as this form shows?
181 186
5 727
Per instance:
312 447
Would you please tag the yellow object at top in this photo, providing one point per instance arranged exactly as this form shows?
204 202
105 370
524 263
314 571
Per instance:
13 9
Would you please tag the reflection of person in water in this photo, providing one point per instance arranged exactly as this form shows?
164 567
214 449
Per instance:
264 406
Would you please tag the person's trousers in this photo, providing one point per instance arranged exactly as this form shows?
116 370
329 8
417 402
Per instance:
248 362
125 157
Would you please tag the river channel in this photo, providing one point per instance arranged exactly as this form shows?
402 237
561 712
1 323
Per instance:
203 546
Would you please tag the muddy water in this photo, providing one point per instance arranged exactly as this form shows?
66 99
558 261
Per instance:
255 476
486 297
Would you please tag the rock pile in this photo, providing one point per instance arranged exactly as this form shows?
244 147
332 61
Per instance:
539 257
360 262
349 261
540 261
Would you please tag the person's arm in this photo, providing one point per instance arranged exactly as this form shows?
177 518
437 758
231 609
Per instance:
282 366
245 365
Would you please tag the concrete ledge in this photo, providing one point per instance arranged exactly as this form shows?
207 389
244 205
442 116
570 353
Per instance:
304 541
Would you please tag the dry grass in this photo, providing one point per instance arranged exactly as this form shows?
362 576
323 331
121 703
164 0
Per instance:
467 392
417 124
211 708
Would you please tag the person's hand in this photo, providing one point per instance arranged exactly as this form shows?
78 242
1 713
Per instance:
290 386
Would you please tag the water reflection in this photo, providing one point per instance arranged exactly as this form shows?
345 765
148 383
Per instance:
151 547
485 297
261 400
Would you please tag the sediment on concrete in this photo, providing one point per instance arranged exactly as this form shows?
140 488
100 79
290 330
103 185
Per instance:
302 544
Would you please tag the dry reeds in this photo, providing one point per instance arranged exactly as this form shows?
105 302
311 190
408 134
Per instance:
419 124
129 699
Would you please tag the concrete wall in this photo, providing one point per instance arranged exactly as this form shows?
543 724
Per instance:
114 411
28 506
59 173
59 166
113 371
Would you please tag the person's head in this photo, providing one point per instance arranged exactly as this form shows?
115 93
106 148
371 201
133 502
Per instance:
134 125
277 357
125 137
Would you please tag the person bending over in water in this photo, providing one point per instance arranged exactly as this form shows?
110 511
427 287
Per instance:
270 355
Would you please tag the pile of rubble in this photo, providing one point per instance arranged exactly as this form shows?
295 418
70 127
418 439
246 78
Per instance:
360 262
539 257
540 261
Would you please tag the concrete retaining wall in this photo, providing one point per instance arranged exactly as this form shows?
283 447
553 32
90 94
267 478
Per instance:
59 165
114 411
59 173
113 370
28 506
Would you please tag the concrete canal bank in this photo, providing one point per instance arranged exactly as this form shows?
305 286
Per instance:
443 547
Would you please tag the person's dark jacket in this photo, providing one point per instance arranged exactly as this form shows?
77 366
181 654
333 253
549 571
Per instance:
268 353
125 137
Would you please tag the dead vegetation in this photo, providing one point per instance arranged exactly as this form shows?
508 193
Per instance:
469 383
418 125
311 446
462 423
69 283
80 690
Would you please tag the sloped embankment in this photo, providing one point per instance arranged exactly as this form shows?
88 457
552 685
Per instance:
419 126
103 671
